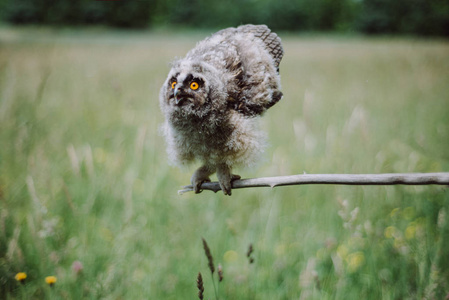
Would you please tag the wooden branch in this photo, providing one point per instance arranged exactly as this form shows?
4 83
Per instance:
341 179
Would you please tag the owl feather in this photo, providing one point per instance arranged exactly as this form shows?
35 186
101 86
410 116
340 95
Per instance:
211 99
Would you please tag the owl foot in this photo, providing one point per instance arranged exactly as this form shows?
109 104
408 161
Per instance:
225 179
201 175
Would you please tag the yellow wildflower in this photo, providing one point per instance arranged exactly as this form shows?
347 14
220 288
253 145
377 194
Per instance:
409 213
400 244
355 261
394 212
51 280
230 256
321 254
280 250
100 155
410 231
390 232
21 276
342 251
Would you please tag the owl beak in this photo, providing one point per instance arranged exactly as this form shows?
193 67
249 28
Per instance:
178 95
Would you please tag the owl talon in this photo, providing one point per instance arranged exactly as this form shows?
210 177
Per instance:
201 175
226 186
235 177
225 179
197 185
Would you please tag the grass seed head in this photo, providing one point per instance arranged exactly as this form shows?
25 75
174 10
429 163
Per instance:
249 253
220 273
210 259
250 250
200 286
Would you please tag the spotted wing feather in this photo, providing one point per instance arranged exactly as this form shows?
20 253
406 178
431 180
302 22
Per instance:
257 81
270 39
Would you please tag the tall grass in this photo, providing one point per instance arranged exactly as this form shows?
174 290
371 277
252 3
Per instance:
84 176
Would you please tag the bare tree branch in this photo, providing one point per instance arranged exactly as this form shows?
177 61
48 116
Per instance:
342 179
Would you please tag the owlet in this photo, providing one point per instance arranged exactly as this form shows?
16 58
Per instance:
213 96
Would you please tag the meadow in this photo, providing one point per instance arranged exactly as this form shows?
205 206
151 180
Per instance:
87 194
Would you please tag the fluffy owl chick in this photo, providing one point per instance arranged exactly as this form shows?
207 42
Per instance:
211 99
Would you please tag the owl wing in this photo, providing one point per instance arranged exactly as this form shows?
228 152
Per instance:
256 77
270 40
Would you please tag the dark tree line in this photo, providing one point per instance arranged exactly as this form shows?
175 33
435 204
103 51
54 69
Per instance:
414 17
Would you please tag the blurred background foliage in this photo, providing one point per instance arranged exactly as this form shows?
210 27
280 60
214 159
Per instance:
410 17
87 195
85 181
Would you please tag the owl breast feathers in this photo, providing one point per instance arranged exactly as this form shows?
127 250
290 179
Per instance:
211 99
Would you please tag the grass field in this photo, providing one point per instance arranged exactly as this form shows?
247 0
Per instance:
84 176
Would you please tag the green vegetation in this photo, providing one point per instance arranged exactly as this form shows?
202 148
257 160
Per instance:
410 17
87 194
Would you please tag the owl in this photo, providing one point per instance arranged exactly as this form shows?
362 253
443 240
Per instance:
213 97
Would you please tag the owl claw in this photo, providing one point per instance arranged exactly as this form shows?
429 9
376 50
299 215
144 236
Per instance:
225 179
226 188
201 175
226 185
235 177
197 185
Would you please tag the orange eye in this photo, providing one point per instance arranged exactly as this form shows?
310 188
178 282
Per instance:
194 85
173 84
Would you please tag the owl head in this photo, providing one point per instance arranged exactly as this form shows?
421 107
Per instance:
192 88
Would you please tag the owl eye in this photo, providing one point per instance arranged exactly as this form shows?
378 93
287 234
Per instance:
173 84
194 85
